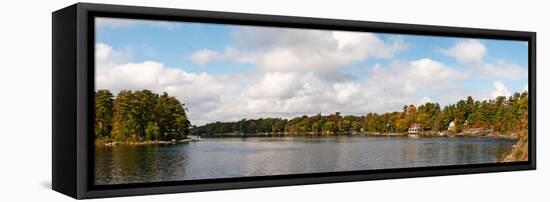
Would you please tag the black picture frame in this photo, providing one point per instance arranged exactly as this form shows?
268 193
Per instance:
73 91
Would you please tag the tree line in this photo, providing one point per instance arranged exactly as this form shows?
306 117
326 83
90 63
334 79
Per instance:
501 115
139 116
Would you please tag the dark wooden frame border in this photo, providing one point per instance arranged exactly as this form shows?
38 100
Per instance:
73 88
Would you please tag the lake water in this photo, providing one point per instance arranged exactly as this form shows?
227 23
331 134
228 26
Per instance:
259 156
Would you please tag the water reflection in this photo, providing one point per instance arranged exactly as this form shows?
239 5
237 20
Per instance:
238 157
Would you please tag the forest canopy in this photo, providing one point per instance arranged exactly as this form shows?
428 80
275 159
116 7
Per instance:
139 116
500 115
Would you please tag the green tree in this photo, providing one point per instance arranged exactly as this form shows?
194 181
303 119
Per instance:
124 123
103 114
144 103
152 131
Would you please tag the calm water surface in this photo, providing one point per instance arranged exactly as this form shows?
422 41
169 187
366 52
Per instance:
238 157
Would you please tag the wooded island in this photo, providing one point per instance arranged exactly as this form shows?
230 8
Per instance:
139 116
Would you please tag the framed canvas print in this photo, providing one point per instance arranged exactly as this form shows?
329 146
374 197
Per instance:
155 100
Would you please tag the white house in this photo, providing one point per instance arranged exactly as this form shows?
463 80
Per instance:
415 128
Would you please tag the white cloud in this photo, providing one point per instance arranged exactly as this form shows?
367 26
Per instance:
285 94
274 85
345 92
500 90
472 53
130 76
467 52
204 56
404 82
102 51
526 87
503 70
299 50
367 44
105 56
191 87
409 77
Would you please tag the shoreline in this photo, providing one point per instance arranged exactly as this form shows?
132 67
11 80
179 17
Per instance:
365 134
287 134
108 143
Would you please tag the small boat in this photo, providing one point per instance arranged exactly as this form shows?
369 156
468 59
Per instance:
111 144
193 138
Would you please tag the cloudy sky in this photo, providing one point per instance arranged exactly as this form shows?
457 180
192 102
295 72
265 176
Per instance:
229 72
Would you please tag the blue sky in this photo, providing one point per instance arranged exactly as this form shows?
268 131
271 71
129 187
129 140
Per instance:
221 69
173 46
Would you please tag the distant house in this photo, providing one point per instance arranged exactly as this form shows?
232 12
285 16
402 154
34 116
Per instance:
415 128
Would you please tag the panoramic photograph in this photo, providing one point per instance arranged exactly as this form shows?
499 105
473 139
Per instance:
178 101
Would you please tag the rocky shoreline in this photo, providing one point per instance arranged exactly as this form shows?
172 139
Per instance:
520 150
